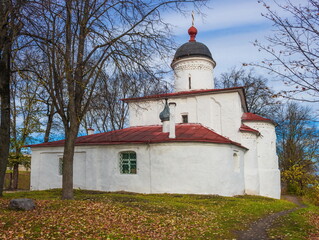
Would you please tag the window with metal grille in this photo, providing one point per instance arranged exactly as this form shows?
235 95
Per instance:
128 162
60 166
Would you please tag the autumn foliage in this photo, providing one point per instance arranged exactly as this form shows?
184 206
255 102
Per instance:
100 215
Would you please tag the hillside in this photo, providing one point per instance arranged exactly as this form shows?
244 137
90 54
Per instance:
99 215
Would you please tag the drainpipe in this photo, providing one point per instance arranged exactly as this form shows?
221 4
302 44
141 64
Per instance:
165 126
172 106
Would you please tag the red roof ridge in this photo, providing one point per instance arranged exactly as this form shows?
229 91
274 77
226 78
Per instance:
191 92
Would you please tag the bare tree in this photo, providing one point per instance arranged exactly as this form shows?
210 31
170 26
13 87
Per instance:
106 111
27 68
76 40
260 97
28 111
10 27
50 119
293 48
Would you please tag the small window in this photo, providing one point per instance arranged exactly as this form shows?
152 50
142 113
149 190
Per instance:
128 162
236 162
189 81
184 118
60 165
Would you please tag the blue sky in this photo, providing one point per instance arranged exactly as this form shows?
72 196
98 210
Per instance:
228 28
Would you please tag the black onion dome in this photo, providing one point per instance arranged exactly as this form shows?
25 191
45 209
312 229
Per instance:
192 49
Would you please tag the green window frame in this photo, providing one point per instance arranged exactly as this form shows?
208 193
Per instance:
128 162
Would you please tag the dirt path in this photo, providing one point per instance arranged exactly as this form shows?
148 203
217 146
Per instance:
258 230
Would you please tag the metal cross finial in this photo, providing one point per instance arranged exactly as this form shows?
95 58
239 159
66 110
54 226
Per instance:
192 18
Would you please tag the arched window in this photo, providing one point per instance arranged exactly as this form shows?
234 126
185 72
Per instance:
128 162
236 162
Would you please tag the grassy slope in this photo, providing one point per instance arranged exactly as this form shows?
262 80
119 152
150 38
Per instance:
96 215
298 225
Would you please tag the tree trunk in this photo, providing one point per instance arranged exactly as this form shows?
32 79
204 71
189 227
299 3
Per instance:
4 112
10 181
68 155
15 179
49 124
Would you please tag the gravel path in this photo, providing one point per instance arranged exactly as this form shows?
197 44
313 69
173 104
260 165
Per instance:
258 230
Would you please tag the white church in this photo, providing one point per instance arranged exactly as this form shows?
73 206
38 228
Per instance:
196 140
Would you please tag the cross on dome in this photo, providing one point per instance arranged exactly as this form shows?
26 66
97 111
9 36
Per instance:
192 31
193 18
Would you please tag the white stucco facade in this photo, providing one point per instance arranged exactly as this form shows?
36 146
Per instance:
161 168
219 111
219 148
198 72
267 160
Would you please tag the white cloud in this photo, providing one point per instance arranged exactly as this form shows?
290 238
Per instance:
224 14
229 28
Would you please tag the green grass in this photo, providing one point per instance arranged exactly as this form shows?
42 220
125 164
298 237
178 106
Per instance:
99 215
298 225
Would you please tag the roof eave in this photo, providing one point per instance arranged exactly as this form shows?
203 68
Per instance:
254 120
143 142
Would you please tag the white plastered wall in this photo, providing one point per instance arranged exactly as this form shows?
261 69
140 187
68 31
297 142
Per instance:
252 186
45 168
198 168
269 174
193 74
221 112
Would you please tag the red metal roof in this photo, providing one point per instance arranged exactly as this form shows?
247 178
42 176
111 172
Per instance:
245 128
251 117
148 134
175 94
